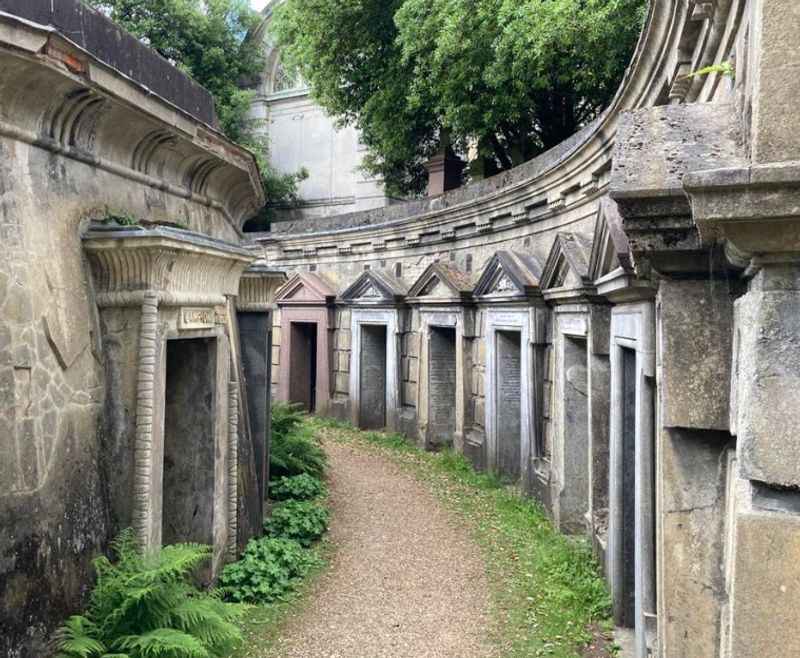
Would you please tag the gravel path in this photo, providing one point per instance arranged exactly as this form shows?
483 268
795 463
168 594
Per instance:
405 582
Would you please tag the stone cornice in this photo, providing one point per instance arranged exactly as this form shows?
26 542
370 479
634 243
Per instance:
258 288
60 98
178 266
755 210
656 150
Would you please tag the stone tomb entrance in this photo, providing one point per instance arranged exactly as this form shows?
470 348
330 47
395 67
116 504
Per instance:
514 328
508 402
172 426
627 529
306 305
303 365
444 321
442 374
375 299
189 445
372 380
631 559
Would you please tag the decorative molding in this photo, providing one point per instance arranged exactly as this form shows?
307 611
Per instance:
233 470
69 102
448 282
375 287
184 268
258 288
143 451
509 276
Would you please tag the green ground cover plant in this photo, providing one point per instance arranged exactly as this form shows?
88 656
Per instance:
548 596
148 607
304 521
296 487
270 568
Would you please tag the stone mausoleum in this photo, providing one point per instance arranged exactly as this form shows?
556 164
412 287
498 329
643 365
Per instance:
614 325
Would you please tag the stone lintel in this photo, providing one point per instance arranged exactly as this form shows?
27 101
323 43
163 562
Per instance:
179 266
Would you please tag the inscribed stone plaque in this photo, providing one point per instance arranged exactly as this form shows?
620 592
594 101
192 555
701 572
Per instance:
509 407
442 384
197 318
372 414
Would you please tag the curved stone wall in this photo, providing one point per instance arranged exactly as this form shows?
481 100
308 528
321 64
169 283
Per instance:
592 318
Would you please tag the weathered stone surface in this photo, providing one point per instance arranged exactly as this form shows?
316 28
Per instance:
768 383
509 409
764 614
373 377
775 64
442 385
696 346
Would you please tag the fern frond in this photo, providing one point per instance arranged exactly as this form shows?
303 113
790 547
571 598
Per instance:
163 643
77 638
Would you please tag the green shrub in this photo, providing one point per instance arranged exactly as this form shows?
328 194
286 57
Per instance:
304 521
147 608
286 418
296 452
296 487
268 570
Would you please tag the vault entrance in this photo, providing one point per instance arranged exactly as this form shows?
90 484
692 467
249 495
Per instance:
303 365
508 382
575 497
630 494
189 441
372 396
442 385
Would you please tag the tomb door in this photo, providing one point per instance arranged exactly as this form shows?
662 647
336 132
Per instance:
303 365
508 396
575 432
442 373
372 377
629 493
189 441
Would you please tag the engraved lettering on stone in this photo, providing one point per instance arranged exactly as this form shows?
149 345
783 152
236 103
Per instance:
197 318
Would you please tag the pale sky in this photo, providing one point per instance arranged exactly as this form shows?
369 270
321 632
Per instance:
258 4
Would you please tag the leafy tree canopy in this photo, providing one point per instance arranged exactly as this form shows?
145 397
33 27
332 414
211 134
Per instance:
509 77
207 39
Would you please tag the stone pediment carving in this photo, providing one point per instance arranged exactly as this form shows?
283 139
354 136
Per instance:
305 288
509 275
375 287
610 248
441 282
179 267
567 265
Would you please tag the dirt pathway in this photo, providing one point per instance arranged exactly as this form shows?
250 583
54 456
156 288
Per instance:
406 581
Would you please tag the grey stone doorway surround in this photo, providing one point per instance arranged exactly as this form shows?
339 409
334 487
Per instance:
155 286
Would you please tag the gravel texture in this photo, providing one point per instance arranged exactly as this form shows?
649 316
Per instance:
405 580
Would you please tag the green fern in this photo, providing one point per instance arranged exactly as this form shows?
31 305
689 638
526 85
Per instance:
146 607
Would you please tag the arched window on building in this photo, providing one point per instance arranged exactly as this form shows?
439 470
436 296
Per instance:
282 80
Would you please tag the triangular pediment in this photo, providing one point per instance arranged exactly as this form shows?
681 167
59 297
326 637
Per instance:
441 281
509 274
305 288
610 247
375 287
568 263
